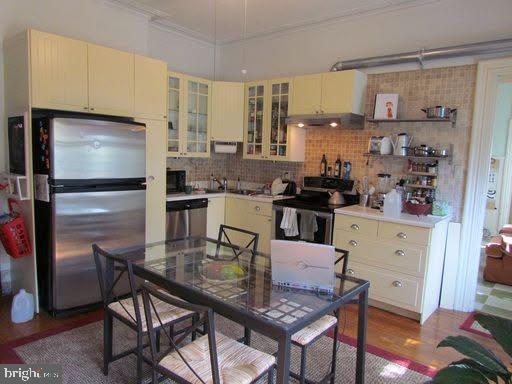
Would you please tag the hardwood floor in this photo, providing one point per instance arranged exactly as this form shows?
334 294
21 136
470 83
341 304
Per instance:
392 333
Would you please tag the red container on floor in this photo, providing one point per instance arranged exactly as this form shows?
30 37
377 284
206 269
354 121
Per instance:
14 235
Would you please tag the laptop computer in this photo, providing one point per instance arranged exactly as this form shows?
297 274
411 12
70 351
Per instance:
302 265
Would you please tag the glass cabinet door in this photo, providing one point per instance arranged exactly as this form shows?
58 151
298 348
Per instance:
279 101
255 99
197 141
173 115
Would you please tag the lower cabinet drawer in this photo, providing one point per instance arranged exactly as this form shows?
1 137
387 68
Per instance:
406 258
406 234
258 208
390 287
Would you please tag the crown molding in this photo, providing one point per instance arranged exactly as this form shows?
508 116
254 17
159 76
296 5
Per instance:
161 20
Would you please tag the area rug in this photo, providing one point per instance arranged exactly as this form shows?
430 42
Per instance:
471 325
79 351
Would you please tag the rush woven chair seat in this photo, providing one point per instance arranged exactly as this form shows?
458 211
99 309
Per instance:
212 358
111 269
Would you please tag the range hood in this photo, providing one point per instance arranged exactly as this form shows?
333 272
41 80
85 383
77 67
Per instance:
340 120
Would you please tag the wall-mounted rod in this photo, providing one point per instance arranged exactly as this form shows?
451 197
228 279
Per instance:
483 48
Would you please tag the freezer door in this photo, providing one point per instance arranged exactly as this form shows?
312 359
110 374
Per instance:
96 149
110 219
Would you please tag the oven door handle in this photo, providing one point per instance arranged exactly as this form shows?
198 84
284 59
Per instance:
324 215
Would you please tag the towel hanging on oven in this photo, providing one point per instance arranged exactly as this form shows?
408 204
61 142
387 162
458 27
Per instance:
289 222
308 226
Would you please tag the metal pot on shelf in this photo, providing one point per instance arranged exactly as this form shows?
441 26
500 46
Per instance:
438 112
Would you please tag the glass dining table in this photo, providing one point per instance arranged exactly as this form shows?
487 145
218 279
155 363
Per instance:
242 291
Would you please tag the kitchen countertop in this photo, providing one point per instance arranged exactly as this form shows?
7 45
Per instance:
404 218
202 195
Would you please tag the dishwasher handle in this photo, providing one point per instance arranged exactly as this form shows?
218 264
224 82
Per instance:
182 205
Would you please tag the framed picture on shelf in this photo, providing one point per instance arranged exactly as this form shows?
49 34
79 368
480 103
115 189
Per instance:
386 106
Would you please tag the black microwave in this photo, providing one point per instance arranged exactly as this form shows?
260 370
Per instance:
16 137
176 181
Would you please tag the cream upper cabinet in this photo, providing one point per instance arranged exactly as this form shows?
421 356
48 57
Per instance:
227 111
343 91
189 116
307 95
111 81
255 120
58 69
150 88
331 92
155 179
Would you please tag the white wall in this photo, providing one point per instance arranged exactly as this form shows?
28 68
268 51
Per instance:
432 25
502 118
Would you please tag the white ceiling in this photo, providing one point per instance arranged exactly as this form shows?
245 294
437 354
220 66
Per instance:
196 18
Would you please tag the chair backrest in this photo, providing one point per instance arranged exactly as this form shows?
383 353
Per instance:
113 273
225 231
342 255
205 314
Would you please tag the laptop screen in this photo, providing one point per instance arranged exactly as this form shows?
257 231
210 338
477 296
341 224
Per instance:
303 265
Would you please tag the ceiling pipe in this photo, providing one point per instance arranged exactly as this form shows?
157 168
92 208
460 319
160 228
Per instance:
483 48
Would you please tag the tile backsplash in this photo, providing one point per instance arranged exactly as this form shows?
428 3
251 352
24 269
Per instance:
451 86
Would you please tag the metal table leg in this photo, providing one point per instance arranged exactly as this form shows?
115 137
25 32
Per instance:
283 359
107 340
335 346
361 336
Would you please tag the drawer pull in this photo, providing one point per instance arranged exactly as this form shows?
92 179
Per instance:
397 284
399 252
353 243
257 208
350 272
355 227
401 235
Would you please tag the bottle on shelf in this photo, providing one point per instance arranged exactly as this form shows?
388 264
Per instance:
347 168
323 166
337 167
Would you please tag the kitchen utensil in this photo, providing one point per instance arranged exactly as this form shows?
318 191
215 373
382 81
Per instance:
438 112
424 150
409 151
374 144
386 146
403 140
336 198
363 199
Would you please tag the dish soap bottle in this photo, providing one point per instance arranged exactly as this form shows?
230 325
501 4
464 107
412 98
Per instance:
337 167
323 166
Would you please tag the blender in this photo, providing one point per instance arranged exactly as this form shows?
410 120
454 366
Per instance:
383 187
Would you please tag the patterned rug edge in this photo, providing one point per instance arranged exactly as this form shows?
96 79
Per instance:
466 326
8 353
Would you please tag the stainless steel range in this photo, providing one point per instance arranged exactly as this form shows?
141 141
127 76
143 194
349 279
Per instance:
314 214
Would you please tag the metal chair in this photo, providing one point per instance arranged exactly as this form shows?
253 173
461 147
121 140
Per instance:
252 243
207 358
128 308
307 336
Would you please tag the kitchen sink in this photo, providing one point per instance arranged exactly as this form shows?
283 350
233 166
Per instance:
243 191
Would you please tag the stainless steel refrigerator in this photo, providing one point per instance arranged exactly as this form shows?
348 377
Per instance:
90 175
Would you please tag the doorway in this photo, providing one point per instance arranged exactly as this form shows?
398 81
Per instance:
494 291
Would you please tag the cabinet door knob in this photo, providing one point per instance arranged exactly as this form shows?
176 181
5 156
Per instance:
86 108
355 227
151 178
397 284
92 109
350 272
401 235
321 111
353 243
399 252
257 208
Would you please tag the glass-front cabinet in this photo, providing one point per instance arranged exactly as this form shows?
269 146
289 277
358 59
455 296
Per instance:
266 134
255 120
189 116
280 91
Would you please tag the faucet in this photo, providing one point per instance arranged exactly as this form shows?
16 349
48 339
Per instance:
222 185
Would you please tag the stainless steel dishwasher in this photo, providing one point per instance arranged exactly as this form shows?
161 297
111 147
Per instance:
186 218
